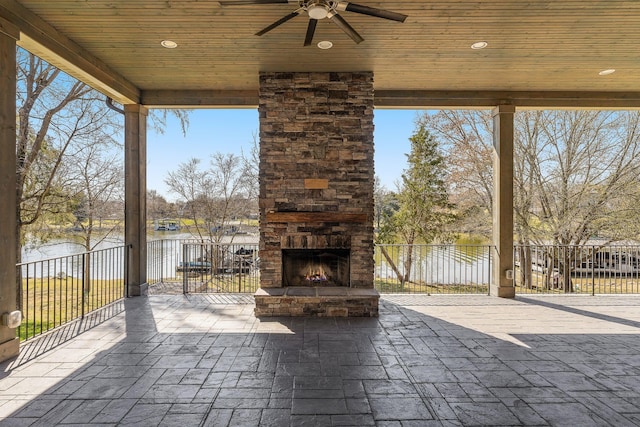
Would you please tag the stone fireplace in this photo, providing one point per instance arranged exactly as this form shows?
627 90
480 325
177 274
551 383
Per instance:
316 195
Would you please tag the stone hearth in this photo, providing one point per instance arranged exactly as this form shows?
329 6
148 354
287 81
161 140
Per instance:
316 193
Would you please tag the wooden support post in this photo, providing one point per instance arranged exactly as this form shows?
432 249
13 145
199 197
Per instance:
135 205
503 284
9 343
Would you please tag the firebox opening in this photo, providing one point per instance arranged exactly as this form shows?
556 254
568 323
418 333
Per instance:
315 267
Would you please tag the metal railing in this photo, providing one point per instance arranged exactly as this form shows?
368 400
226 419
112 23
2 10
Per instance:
433 269
202 267
58 290
584 269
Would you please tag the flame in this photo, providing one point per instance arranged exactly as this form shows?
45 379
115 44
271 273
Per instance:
316 274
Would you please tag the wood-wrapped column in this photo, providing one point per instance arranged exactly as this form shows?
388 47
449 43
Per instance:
9 344
502 284
135 204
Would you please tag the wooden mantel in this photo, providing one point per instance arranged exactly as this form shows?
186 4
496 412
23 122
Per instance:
298 217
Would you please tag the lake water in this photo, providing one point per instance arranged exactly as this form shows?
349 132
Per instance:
65 246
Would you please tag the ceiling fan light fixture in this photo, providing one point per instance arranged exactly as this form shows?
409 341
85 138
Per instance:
317 10
325 44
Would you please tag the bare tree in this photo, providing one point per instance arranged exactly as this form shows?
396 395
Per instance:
158 207
251 168
98 183
575 173
466 138
54 112
56 115
586 169
213 196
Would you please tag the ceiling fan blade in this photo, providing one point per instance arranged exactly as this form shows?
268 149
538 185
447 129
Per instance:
248 2
277 23
344 26
311 29
371 11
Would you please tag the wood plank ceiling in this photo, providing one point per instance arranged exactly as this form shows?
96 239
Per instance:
546 47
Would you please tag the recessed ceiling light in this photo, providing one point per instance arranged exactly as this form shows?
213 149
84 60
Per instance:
606 72
325 44
479 45
169 44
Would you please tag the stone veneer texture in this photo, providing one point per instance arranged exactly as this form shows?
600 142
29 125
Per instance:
316 156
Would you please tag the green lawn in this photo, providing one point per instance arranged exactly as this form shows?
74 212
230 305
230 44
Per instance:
50 302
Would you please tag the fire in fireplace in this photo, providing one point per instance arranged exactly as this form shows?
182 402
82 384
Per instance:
315 267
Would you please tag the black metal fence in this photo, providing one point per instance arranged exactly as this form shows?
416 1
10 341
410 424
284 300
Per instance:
578 269
58 290
201 267
209 267
433 269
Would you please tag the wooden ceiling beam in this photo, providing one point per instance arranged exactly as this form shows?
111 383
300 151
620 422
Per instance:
409 99
425 99
43 40
200 98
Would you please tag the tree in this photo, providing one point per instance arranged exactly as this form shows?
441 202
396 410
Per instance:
577 173
575 176
56 116
158 207
425 211
251 168
384 205
211 196
98 185
466 138
97 180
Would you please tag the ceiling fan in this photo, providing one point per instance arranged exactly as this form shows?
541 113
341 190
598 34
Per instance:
320 9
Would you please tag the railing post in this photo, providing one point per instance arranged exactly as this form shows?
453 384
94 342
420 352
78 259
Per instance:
162 260
593 270
185 268
239 260
491 249
126 270
83 284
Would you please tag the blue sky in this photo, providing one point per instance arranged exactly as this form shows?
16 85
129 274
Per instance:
231 131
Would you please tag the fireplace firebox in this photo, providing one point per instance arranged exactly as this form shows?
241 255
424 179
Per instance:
315 267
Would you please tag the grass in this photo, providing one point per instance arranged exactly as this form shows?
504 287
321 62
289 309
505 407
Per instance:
586 285
250 283
50 302
392 286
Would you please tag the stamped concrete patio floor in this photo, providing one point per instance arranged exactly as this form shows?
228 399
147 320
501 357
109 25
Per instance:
205 360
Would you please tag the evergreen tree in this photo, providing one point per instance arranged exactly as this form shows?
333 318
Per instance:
424 212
